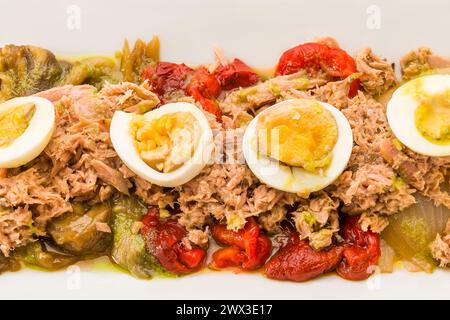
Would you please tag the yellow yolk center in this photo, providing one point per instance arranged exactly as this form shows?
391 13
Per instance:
14 122
167 142
432 116
301 135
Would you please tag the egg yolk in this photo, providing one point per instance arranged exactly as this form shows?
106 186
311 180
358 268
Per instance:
301 135
14 122
167 142
432 116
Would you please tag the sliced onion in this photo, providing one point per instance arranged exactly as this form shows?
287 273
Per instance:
410 232
411 267
387 258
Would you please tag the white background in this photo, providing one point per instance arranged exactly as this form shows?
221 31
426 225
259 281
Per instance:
256 31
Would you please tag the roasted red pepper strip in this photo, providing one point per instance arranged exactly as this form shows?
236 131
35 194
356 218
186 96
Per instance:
167 77
297 261
204 88
314 57
163 240
361 251
236 74
355 85
205 84
227 257
248 248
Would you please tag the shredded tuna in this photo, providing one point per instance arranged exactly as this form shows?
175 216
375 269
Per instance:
440 247
130 97
272 219
373 222
78 164
111 176
367 186
334 93
438 62
378 75
198 237
31 188
228 193
154 195
426 174
316 219
415 63
151 194
422 60
16 228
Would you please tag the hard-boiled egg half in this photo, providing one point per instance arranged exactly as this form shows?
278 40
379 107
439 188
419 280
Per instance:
167 146
298 145
26 126
419 115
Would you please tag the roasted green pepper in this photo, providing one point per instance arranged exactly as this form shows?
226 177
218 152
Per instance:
128 249
36 254
78 232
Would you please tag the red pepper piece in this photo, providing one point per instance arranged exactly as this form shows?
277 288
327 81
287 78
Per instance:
297 261
314 57
167 77
205 84
236 74
204 88
163 240
361 251
248 248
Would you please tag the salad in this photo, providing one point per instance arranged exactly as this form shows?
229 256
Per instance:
329 163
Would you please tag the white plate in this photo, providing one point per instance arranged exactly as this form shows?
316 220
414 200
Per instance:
256 31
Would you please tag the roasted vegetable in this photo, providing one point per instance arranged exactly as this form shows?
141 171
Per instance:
297 261
315 57
167 79
79 233
410 232
361 250
236 74
94 71
25 70
387 258
37 255
163 238
205 88
132 62
247 248
8 264
128 248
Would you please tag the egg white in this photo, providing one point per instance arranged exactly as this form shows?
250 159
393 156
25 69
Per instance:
35 137
124 145
296 179
401 116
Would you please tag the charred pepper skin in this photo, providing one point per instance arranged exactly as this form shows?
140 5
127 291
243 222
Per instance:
297 261
314 57
236 74
164 241
247 249
167 78
353 260
361 250
205 88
